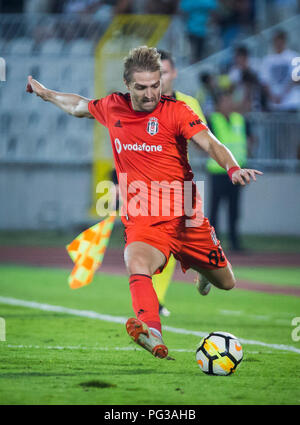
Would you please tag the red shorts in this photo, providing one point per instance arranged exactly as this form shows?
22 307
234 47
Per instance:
194 247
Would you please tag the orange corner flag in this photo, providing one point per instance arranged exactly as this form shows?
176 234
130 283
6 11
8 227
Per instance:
87 252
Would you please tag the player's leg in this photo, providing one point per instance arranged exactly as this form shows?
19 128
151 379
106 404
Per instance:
202 251
142 260
203 285
222 278
161 283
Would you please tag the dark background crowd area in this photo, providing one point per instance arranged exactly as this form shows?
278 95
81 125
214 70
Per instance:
210 26
231 18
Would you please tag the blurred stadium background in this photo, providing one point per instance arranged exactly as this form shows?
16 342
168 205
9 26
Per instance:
49 161
49 166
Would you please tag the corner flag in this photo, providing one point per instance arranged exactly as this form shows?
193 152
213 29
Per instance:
87 252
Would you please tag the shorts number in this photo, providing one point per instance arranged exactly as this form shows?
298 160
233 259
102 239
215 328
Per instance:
216 256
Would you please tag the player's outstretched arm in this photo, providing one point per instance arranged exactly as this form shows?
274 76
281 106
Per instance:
73 104
220 153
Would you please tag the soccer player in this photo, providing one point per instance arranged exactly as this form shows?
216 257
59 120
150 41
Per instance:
149 134
162 281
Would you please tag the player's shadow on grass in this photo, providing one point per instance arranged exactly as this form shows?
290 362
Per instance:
97 384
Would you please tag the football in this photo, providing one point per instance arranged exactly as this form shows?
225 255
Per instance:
219 353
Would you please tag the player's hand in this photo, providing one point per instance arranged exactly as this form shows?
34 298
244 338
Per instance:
244 176
33 86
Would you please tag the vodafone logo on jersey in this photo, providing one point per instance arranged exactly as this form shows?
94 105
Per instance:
136 147
118 145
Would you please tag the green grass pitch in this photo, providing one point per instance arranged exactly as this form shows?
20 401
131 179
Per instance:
52 357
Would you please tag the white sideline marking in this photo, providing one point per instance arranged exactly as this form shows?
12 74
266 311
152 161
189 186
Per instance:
78 347
122 320
257 316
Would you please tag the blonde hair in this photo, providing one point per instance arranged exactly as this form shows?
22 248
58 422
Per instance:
140 59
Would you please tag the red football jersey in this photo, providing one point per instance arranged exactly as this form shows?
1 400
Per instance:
150 153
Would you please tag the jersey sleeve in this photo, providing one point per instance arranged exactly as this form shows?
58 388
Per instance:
99 109
188 122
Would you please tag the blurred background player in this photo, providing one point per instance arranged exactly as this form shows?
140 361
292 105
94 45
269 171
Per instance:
229 127
249 95
162 281
277 68
169 74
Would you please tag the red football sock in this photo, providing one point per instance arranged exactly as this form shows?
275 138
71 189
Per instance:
144 300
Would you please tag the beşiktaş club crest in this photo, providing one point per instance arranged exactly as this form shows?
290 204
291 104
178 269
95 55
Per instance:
152 126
